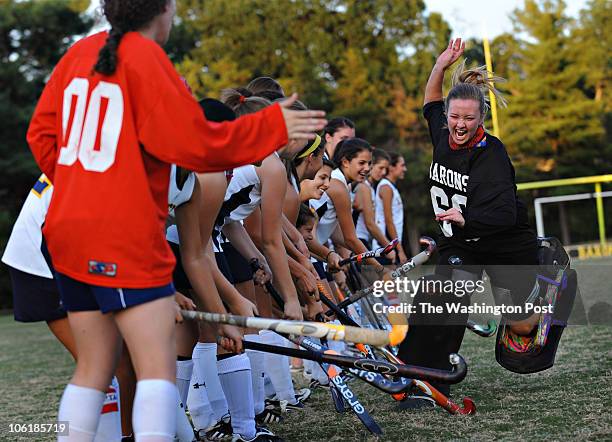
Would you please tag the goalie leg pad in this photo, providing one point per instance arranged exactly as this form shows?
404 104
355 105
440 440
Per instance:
560 291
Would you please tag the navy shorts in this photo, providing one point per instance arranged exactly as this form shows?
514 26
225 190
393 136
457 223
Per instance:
35 298
79 297
323 274
239 267
224 266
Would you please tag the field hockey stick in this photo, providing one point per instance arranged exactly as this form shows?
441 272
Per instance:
336 381
481 330
321 330
440 399
379 252
468 404
415 261
345 333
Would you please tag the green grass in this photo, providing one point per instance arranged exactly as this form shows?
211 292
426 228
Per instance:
571 401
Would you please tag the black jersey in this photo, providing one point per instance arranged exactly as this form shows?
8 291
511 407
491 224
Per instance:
479 181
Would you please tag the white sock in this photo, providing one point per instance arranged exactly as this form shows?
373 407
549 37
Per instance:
80 407
269 391
205 365
154 416
277 367
257 374
235 377
184 432
198 403
184 370
109 425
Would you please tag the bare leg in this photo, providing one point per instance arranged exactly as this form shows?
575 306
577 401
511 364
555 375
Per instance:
127 387
61 329
98 345
186 335
148 331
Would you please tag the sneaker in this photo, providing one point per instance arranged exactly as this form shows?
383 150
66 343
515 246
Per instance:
283 406
268 416
220 430
262 435
303 394
315 383
416 402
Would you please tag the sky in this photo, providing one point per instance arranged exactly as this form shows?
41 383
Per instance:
475 18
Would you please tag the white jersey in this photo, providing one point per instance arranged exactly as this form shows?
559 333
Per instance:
328 218
295 184
179 194
242 196
23 250
397 210
361 228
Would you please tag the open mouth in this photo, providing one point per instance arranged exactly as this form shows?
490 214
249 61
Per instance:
461 134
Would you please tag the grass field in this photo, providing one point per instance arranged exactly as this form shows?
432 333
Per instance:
571 401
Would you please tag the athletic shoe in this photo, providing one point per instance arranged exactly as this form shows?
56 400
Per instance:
416 402
303 394
127 438
262 435
283 406
268 416
220 430
314 383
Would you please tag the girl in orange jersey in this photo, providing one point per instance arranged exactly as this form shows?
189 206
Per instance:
111 119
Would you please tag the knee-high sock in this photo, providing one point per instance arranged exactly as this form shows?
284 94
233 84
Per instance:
109 425
257 373
235 376
197 401
184 431
80 406
184 370
154 417
277 367
205 365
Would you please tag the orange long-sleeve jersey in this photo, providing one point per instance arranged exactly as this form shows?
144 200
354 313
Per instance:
107 143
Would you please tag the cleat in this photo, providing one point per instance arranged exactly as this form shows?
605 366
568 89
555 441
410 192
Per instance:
268 416
219 431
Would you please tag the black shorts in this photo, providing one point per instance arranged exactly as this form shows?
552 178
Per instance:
239 267
179 277
35 298
224 266
515 271
323 274
366 243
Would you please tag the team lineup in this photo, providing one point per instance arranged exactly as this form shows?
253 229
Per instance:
234 241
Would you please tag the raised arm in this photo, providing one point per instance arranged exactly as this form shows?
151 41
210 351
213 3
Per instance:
433 90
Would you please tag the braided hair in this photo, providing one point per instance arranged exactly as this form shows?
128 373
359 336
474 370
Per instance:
124 16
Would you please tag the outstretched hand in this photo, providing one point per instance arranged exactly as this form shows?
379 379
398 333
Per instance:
451 54
301 124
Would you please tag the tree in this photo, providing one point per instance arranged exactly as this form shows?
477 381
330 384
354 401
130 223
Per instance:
33 37
551 127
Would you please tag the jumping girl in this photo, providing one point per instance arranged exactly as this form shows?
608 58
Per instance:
483 223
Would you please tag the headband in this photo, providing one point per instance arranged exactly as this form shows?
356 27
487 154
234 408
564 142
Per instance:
310 148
